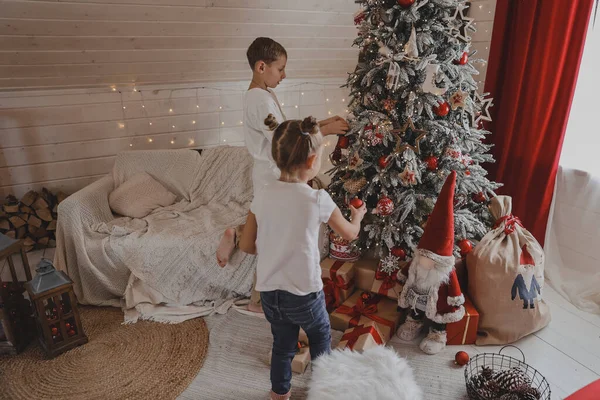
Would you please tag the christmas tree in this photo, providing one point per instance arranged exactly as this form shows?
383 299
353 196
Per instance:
415 115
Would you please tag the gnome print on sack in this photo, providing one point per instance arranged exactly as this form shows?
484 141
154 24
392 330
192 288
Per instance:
431 290
526 275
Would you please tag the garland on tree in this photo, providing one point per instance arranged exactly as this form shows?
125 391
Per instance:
415 116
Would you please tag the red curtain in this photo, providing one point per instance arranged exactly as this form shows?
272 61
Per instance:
532 73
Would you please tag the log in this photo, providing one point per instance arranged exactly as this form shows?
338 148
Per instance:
26 210
21 232
29 198
29 242
51 226
43 241
4 225
11 208
52 243
40 203
27 248
32 229
17 221
44 214
41 232
60 196
11 234
35 221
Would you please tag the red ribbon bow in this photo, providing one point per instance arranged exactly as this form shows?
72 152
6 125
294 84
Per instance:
334 285
364 310
389 281
352 336
510 222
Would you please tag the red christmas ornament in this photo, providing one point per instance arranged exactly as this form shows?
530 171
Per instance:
385 206
442 109
468 173
72 332
54 331
406 3
383 162
465 246
461 358
68 326
463 59
399 252
479 198
356 202
343 142
366 297
432 163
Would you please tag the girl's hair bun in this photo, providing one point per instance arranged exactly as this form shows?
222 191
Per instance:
309 125
271 122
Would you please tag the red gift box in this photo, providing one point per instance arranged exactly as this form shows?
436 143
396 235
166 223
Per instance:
465 330
338 282
361 337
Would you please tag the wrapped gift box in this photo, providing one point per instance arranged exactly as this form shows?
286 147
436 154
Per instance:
368 277
465 330
302 357
362 337
338 281
363 307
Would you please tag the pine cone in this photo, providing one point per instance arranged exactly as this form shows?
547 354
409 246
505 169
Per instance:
510 379
354 186
510 396
487 372
490 390
526 392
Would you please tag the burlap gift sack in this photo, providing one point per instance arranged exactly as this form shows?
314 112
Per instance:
506 279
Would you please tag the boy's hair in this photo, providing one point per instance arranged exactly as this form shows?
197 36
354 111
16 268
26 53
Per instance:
294 141
264 49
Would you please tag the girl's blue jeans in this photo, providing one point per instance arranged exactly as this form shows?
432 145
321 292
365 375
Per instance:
287 313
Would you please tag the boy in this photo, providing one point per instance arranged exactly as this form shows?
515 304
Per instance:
268 60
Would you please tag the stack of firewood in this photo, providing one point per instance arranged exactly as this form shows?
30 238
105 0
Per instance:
33 218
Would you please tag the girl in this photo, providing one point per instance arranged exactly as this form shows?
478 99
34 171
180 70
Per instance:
283 227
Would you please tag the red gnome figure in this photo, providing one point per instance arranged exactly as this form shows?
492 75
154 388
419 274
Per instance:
431 289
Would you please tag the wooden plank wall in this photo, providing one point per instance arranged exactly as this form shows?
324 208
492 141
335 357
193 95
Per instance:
83 80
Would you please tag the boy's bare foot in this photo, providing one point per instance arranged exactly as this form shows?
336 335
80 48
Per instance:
226 246
255 308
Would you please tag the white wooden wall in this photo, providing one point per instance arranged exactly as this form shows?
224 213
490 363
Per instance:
67 69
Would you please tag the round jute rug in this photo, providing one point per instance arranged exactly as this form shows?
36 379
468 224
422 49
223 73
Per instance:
146 360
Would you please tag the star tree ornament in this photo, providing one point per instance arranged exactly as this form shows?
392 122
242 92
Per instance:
459 25
389 104
400 133
485 111
408 177
458 99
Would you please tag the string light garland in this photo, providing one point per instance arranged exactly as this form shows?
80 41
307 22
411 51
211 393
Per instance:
171 107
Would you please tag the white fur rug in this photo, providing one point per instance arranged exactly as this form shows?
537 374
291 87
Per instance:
377 373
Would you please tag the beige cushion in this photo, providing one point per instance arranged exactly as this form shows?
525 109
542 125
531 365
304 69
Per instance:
139 196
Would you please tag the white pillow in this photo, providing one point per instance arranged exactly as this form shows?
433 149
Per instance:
139 196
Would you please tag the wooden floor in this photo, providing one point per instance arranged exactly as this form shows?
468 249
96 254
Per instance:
567 352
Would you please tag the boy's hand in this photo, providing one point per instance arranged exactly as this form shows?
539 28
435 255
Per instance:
338 126
357 214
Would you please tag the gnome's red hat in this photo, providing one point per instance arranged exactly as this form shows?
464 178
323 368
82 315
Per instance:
526 258
438 237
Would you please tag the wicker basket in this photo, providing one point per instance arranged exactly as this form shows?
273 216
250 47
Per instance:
500 362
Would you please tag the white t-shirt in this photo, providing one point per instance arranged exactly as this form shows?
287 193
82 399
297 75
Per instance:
258 104
289 216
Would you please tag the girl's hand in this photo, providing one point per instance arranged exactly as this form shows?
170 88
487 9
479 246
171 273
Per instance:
357 214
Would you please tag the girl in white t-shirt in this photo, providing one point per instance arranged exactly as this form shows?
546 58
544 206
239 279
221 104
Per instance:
283 228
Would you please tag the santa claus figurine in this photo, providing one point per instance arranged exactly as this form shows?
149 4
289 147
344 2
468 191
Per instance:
431 290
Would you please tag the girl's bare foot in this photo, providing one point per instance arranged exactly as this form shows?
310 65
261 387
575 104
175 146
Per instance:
226 246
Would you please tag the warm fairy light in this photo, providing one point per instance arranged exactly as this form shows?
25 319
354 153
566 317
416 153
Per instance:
302 93
220 107
143 106
296 106
150 123
222 123
173 126
121 125
480 6
172 141
124 107
329 112
170 110
197 106
114 89
150 140
194 122
343 100
326 99
282 104
192 142
130 144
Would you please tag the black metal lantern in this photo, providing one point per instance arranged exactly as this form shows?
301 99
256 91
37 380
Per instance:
55 307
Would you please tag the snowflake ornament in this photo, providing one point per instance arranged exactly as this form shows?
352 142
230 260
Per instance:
390 264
